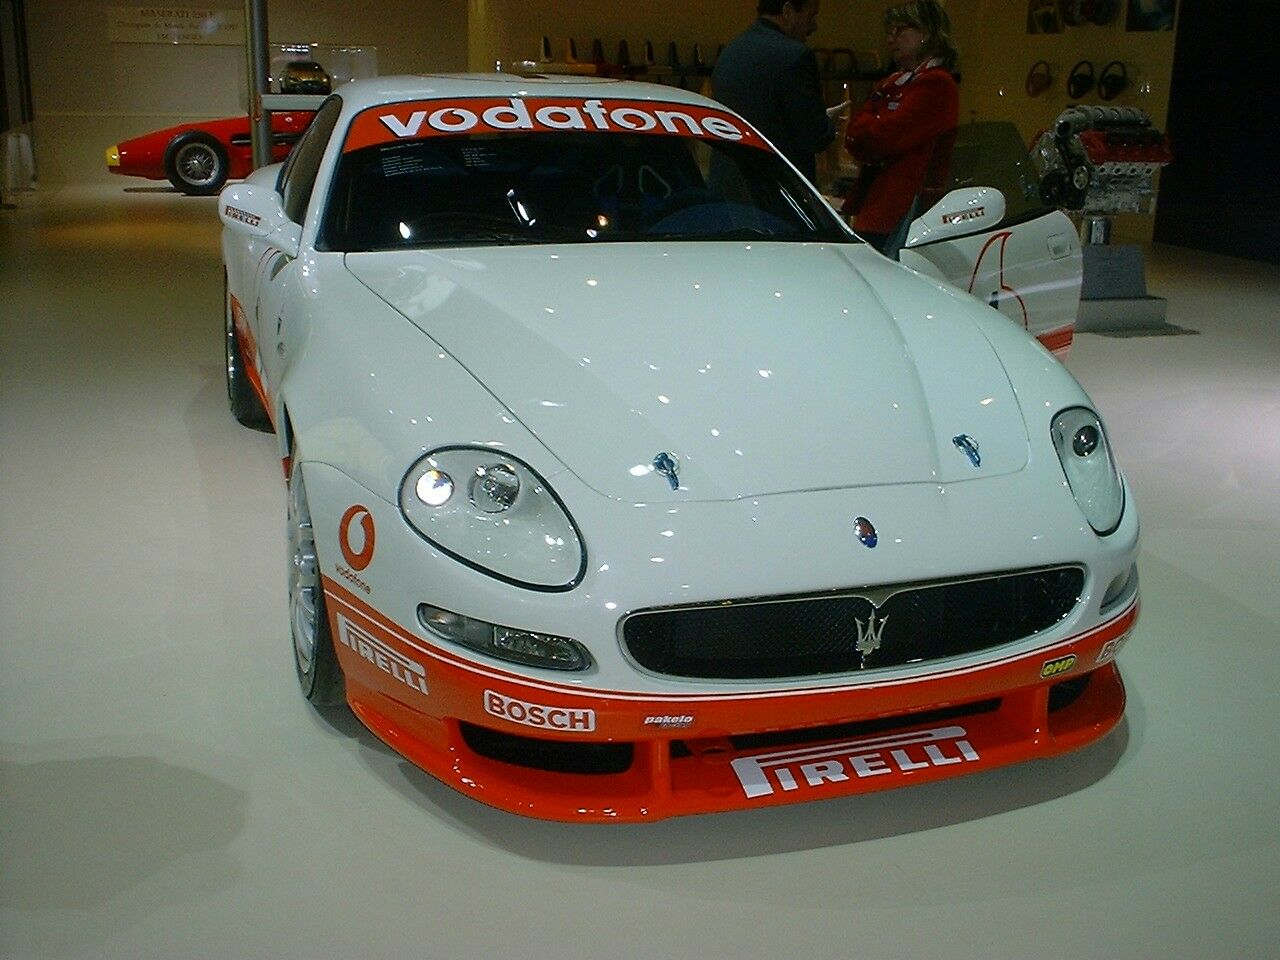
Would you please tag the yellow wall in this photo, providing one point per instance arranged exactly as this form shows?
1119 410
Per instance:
996 50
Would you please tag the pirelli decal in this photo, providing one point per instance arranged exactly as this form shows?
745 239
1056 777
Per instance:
383 656
490 115
809 768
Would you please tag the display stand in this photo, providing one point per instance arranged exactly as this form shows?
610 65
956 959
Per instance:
1113 295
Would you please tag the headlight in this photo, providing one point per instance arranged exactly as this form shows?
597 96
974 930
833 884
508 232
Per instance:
505 643
1090 470
494 513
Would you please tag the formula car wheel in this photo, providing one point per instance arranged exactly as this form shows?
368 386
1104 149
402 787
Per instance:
319 675
196 164
241 397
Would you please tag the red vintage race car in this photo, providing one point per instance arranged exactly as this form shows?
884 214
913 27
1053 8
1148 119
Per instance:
198 158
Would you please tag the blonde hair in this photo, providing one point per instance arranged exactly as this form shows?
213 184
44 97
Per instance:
929 17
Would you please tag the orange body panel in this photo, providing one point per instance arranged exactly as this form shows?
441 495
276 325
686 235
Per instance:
416 696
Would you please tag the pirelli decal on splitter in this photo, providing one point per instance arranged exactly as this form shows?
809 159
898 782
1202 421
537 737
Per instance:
419 119
382 655
763 774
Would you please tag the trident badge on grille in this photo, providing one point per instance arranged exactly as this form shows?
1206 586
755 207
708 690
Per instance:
869 635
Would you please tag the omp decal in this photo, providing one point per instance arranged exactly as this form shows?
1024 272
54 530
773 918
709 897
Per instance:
1003 238
764 773
433 118
963 215
537 714
1052 668
361 559
390 661
1111 648
679 722
1121 623
244 216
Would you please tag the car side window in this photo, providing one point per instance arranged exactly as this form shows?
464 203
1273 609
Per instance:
298 176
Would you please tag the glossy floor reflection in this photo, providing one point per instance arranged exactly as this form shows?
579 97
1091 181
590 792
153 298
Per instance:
165 792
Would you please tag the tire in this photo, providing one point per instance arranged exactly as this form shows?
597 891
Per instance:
241 397
196 164
319 675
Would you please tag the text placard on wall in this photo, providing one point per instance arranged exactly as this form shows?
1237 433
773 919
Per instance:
204 25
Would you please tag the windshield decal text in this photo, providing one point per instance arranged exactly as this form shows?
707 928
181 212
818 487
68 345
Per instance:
494 115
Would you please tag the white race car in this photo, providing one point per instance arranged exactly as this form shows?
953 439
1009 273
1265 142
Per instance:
624 481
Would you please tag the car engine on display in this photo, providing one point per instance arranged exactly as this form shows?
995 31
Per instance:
625 482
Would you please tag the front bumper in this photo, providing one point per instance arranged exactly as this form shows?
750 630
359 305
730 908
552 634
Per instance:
554 750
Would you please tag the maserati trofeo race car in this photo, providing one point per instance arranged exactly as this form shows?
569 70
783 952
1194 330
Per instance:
199 158
625 481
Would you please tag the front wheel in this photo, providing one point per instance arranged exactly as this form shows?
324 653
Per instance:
196 164
313 655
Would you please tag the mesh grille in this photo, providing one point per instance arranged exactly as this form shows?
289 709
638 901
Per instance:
810 636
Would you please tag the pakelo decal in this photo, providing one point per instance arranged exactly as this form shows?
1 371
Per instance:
538 714
387 659
763 774
670 722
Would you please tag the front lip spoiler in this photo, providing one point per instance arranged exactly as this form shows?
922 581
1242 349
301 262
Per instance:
708 773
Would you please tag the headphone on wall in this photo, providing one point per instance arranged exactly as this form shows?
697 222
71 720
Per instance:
1080 80
1039 78
1113 80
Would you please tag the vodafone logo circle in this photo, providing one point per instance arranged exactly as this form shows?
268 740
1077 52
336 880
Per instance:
356 560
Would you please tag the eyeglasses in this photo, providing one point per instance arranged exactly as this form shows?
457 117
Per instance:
896 28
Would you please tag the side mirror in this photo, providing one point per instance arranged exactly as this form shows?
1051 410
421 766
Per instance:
257 211
960 213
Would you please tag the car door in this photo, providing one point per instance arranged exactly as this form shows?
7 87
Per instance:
1028 265
276 272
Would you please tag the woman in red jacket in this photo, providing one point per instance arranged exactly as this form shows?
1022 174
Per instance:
901 137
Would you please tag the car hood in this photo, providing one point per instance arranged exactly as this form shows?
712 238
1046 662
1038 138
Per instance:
758 368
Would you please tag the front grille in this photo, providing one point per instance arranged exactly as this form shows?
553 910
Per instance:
839 633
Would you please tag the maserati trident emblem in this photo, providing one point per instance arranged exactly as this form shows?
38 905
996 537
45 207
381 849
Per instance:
669 467
865 531
869 635
969 447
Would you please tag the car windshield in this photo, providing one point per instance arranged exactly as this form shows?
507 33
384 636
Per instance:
570 186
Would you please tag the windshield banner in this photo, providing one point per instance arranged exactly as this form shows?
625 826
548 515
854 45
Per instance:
439 118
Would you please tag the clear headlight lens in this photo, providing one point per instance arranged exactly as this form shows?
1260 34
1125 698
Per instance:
1089 467
505 643
492 512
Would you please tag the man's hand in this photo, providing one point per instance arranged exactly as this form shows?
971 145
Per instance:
839 110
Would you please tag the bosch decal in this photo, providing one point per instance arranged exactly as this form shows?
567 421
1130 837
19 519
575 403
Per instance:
390 661
537 714
763 774
1052 668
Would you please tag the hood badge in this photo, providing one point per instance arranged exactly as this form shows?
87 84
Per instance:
866 531
969 447
869 635
669 467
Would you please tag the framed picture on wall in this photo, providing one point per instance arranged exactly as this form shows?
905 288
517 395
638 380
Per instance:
1146 15
1044 16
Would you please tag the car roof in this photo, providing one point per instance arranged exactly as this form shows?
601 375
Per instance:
361 94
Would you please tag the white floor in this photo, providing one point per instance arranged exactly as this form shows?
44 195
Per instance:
165 792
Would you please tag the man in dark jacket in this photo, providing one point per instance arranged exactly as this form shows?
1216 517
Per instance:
770 77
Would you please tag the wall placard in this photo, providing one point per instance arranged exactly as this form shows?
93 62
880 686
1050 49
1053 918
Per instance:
201 25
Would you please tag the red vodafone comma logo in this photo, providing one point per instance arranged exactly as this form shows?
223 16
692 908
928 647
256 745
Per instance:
357 561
